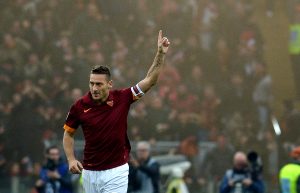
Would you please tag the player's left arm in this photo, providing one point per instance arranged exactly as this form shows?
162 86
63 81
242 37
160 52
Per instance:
156 67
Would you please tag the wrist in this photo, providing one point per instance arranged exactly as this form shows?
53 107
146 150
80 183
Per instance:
71 159
160 52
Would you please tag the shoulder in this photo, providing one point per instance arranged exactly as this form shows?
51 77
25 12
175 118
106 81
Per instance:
123 94
121 91
229 173
153 162
81 102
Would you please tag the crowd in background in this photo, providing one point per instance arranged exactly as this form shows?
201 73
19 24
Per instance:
215 85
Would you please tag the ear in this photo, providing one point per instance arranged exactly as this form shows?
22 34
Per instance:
110 84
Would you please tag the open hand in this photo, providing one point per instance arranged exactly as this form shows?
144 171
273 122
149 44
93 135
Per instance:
162 43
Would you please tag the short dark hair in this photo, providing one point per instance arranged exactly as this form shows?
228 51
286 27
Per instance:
101 70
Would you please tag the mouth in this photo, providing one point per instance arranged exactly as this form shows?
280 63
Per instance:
96 95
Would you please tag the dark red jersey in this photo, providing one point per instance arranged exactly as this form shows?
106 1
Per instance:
104 127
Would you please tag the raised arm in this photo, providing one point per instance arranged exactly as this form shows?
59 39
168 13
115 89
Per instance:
155 69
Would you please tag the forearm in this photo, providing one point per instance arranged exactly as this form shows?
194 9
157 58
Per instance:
156 67
153 72
152 170
68 143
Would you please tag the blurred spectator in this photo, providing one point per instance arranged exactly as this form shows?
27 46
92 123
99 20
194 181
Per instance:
93 23
239 179
158 120
144 176
290 123
237 96
54 176
139 129
262 95
14 48
213 169
177 184
76 93
209 110
26 118
289 174
270 7
294 45
3 162
189 147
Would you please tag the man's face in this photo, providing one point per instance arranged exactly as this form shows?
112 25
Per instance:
143 153
240 161
54 154
99 87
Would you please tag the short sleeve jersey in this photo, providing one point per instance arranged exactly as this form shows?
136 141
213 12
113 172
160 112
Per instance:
104 127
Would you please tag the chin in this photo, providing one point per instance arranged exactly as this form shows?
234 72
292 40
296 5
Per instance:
96 99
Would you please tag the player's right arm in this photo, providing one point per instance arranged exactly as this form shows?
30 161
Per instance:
68 142
70 126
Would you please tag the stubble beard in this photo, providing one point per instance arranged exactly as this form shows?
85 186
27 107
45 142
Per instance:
102 97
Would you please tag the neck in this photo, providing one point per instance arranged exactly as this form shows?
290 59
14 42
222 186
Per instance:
98 102
101 101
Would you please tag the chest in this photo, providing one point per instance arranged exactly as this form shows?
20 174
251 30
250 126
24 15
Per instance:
105 115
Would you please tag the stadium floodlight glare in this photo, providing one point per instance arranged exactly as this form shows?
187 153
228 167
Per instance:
276 126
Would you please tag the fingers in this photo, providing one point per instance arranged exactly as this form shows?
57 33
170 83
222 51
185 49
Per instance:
75 170
79 166
76 167
159 35
162 43
165 42
164 39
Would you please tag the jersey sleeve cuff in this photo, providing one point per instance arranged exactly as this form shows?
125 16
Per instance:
69 129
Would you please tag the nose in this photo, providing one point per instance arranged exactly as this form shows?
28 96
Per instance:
95 88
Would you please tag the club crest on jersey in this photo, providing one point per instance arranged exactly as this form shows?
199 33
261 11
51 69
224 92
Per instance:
110 103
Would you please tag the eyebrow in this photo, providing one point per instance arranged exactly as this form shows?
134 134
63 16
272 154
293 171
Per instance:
92 82
143 149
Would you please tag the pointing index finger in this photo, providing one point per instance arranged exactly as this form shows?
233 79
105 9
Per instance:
160 35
